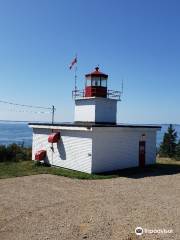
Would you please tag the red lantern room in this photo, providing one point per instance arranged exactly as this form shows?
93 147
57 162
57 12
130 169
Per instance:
96 84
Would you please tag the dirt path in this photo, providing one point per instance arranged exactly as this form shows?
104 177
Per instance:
52 207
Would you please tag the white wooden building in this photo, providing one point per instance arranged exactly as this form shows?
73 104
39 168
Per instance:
94 142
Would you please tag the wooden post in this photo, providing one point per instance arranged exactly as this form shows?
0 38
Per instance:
53 110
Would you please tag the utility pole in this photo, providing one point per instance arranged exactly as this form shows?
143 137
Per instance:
53 110
75 79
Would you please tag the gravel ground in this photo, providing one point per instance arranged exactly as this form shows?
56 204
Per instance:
52 207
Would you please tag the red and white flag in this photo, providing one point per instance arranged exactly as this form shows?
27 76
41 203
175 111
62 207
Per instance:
73 62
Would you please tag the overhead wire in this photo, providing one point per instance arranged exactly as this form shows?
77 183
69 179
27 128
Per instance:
24 105
25 111
51 109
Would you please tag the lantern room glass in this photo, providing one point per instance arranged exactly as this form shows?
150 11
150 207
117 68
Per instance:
96 82
103 82
88 83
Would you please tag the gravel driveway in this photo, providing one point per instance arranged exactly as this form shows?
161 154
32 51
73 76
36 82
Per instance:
52 207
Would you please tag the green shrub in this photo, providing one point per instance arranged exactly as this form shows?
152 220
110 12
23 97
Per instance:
3 153
14 153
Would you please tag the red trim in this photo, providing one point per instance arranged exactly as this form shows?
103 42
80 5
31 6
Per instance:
96 73
92 91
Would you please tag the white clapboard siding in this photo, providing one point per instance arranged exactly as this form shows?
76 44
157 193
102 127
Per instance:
39 140
73 151
98 149
151 147
118 148
84 110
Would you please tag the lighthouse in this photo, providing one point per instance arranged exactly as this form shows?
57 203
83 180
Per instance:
94 142
96 103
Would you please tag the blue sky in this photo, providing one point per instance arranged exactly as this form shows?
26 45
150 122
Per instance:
136 40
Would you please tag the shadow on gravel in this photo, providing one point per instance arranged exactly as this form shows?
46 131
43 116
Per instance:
149 171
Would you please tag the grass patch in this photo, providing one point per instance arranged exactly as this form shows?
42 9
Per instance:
26 168
167 161
164 166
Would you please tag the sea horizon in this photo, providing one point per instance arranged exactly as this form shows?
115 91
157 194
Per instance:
26 121
20 133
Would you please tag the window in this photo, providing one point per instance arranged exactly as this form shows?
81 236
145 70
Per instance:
103 82
88 83
95 81
143 137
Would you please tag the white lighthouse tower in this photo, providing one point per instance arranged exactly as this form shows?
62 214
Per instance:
94 142
96 104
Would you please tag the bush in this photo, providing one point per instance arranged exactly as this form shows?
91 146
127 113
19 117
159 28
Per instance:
14 153
3 153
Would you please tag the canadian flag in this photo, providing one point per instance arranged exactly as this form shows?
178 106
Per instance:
73 62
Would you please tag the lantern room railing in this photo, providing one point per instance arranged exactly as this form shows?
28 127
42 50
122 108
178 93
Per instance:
114 94
111 94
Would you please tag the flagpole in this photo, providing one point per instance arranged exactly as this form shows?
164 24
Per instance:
75 78
75 75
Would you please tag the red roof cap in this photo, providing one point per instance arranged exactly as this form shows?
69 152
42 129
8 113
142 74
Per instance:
96 73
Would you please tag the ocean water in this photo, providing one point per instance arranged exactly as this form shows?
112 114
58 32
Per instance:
20 133
15 132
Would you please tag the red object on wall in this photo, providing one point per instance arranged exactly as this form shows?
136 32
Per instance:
54 137
91 91
40 155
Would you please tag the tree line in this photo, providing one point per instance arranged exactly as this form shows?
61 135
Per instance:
14 153
170 146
